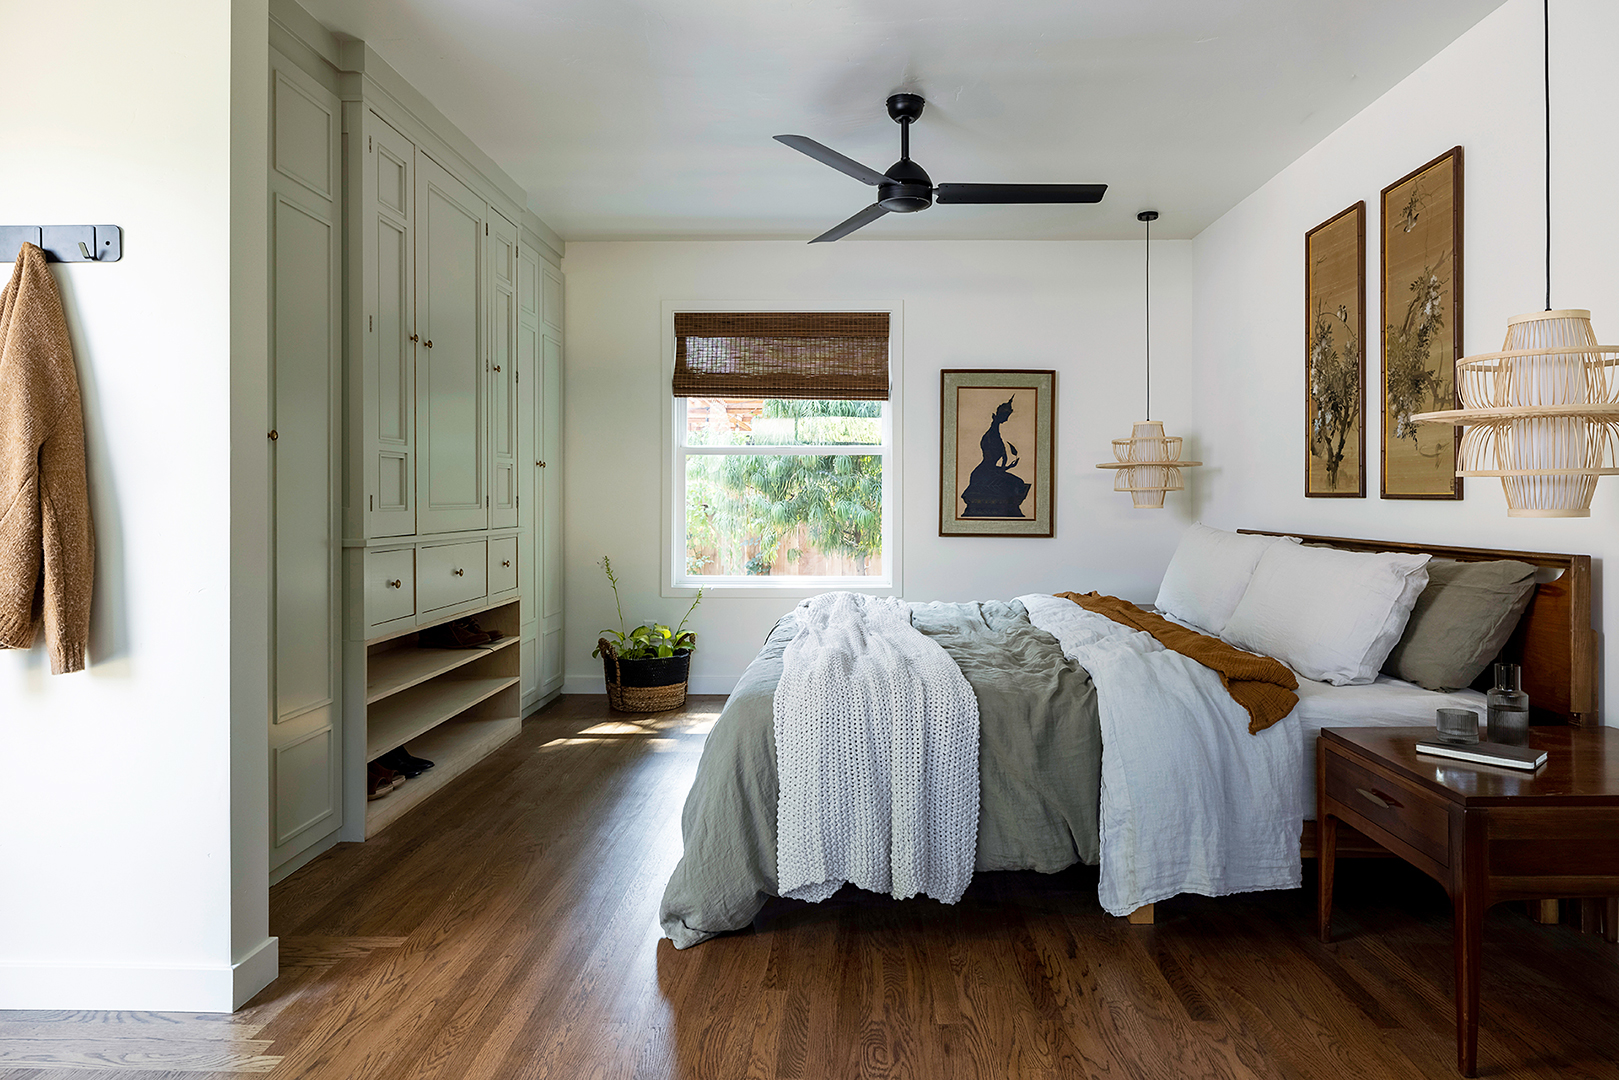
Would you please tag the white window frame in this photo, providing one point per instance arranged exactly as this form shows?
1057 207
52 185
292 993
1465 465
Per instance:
675 581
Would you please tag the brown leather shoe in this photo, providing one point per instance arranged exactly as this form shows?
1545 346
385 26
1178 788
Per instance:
380 780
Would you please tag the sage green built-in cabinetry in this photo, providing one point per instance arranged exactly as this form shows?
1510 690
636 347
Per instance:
416 375
303 429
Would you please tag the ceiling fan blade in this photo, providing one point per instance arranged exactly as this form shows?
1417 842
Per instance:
828 156
1019 193
859 221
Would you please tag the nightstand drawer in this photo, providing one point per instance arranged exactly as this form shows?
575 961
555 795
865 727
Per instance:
1403 811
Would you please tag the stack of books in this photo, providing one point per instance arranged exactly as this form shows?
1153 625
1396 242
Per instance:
1526 758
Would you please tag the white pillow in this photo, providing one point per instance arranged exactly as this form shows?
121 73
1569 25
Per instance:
1330 615
1208 575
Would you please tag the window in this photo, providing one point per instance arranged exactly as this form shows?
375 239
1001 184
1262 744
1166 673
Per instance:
783 440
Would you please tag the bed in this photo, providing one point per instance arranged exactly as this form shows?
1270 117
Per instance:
1041 752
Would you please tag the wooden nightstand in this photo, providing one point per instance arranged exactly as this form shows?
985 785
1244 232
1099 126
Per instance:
1485 834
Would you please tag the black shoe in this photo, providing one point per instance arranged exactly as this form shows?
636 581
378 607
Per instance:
420 763
401 762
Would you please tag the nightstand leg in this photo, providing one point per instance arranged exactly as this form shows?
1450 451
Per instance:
1326 864
1469 909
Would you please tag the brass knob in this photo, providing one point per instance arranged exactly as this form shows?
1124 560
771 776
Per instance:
497 367
505 562
458 572
428 343
541 464
395 583
274 435
413 337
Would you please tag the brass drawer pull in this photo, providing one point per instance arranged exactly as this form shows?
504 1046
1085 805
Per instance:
458 572
497 367
413 337
395 584
505 562
1387 802
428 343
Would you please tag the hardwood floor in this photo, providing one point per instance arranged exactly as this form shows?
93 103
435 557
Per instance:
507 930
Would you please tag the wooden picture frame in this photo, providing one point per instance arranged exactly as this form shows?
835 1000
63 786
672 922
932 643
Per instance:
997 452
1335 356
1421 328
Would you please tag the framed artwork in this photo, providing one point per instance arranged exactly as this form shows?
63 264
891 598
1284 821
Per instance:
1335 357
996 453
1422 328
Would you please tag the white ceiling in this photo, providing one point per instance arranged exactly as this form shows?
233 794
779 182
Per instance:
634 119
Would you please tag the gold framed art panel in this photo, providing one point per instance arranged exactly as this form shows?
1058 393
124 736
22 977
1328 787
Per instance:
1421 324
1335 356
997 452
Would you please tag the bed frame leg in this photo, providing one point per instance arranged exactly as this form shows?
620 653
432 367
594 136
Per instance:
1544 911
1141 916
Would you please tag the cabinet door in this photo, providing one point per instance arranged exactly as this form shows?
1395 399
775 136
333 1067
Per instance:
531 378
451 485
550 527
389 371
503 371
305 349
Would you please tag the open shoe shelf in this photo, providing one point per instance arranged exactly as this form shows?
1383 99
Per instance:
453 706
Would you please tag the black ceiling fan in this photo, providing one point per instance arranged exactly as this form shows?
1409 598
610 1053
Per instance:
906 187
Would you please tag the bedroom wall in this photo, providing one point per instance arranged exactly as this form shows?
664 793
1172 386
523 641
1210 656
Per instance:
133 833
1483 92
1074 307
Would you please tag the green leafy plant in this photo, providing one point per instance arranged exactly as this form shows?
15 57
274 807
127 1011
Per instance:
647 642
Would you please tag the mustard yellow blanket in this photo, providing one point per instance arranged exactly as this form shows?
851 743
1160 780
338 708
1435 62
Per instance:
1261 685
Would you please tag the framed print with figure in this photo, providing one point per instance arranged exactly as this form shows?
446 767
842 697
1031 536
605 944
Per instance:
996 452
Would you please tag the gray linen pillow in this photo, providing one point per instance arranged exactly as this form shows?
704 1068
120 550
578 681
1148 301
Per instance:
1460 622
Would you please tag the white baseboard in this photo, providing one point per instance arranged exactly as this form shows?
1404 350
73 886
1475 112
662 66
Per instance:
135 988
596 684
256 971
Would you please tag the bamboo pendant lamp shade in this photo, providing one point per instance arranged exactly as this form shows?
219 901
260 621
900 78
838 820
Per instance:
1148 463
1542 414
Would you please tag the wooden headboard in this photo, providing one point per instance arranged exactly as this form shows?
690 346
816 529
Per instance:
1554 641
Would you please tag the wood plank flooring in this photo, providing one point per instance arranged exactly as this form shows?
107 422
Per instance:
507 930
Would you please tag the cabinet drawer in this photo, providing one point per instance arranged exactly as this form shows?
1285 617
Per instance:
452 574
390 585
1404 811
502 564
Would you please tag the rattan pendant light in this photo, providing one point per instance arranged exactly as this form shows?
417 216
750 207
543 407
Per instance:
1543 413
1148 463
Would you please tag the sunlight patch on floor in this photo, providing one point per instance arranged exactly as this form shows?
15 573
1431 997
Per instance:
651 743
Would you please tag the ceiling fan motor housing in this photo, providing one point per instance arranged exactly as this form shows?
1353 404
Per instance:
909 188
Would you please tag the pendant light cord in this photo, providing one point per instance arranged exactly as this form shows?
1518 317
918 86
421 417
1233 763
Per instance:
1546 46
1148 309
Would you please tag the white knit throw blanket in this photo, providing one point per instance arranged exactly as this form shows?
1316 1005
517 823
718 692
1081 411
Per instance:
876 754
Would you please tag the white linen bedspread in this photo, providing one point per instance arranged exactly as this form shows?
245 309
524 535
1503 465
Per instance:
1191 802
876 754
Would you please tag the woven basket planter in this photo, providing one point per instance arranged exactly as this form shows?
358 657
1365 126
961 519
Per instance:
653 684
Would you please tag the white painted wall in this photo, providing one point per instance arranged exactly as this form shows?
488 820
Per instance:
129 793
1073 306
1483 92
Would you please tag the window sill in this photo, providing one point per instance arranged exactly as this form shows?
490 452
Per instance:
797 590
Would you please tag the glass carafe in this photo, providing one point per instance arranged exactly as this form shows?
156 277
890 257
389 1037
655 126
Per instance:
1508 718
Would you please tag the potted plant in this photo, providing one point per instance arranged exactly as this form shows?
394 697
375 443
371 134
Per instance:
647 667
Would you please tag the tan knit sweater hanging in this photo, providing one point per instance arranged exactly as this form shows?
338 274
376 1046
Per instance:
47 563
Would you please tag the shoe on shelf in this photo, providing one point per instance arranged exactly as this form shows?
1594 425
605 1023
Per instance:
402 763
380 780
421 763
459 634
489 635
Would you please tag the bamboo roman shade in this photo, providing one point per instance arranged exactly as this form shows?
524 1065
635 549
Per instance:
782 354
